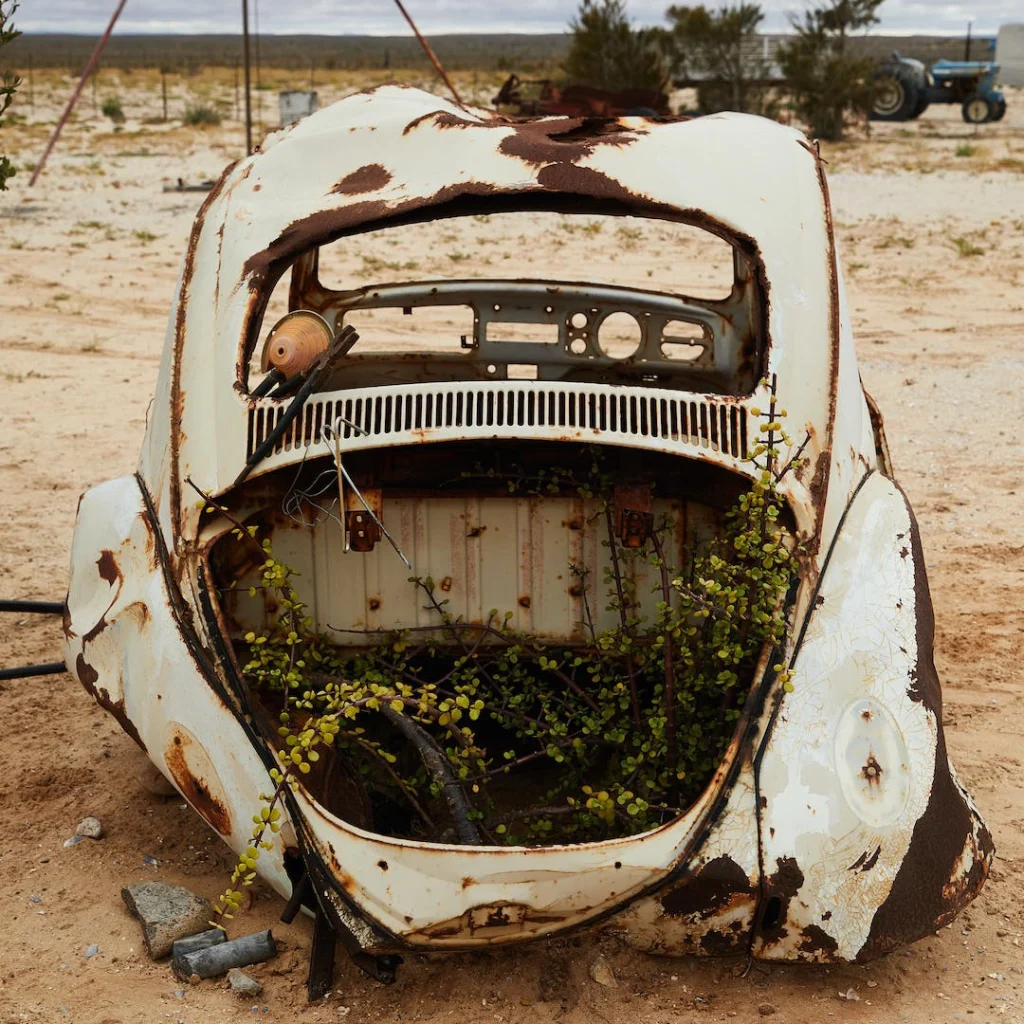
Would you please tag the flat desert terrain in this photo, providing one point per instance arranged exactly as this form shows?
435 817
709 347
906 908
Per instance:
930 220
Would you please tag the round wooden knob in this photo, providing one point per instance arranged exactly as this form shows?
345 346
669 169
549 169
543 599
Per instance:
295 342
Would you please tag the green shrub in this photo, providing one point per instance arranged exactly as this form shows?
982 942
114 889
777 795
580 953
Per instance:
111 107
201 115
606 52
9 82
829 86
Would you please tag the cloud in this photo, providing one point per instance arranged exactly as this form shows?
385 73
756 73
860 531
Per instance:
381 17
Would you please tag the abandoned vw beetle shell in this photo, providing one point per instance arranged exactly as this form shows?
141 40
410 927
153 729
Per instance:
833 826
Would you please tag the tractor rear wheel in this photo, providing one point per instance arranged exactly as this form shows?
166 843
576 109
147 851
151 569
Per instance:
978 109
897 95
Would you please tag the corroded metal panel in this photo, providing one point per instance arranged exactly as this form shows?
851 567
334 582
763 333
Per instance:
834 828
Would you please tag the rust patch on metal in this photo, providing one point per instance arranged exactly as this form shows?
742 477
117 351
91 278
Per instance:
101 624
779 890
872 771
177 395
195 790
490 922
446 119
108 568
564 140
931 886
817 944
709 890
89 677
368 178
116 708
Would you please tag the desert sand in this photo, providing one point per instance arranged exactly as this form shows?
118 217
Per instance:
933 251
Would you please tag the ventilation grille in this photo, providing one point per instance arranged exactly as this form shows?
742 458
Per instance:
538 410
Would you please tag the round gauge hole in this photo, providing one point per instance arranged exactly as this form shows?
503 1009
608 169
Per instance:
578 320
619 335
577 346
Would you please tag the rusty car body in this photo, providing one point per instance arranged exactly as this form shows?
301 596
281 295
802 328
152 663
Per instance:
835 827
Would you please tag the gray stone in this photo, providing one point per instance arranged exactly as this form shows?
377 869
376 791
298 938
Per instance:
241 984
91 951
73 841
601 972
89 828
167 912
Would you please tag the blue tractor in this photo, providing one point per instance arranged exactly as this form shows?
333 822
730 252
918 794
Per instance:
904 88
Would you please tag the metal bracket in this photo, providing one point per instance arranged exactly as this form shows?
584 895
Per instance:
634 516
362 521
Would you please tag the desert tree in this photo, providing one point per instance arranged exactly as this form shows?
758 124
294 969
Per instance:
718 47
830 86
9 81
607 52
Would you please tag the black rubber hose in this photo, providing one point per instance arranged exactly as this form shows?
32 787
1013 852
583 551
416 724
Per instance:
51 668
36 607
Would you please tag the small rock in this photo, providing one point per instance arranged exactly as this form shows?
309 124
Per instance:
872 984
73 841
91 951
150 862
35 899
766 1009
242 985
601 972
167 912
89 828
178 993
152 780
850 994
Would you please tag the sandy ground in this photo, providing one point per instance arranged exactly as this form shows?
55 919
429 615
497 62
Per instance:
933 244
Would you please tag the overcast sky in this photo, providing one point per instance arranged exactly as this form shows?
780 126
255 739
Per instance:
381 17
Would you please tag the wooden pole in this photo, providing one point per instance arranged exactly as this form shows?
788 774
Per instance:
87 71
430 53
248 77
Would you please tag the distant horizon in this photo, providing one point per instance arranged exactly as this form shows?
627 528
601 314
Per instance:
976 33
380 18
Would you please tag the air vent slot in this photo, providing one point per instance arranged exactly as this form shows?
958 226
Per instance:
413 413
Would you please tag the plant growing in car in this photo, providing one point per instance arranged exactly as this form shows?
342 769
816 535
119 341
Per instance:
461 723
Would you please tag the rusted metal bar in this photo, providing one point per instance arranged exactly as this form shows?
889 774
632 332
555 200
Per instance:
248 77
321 957
216 960
88 70
430 53
33 607
51 668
